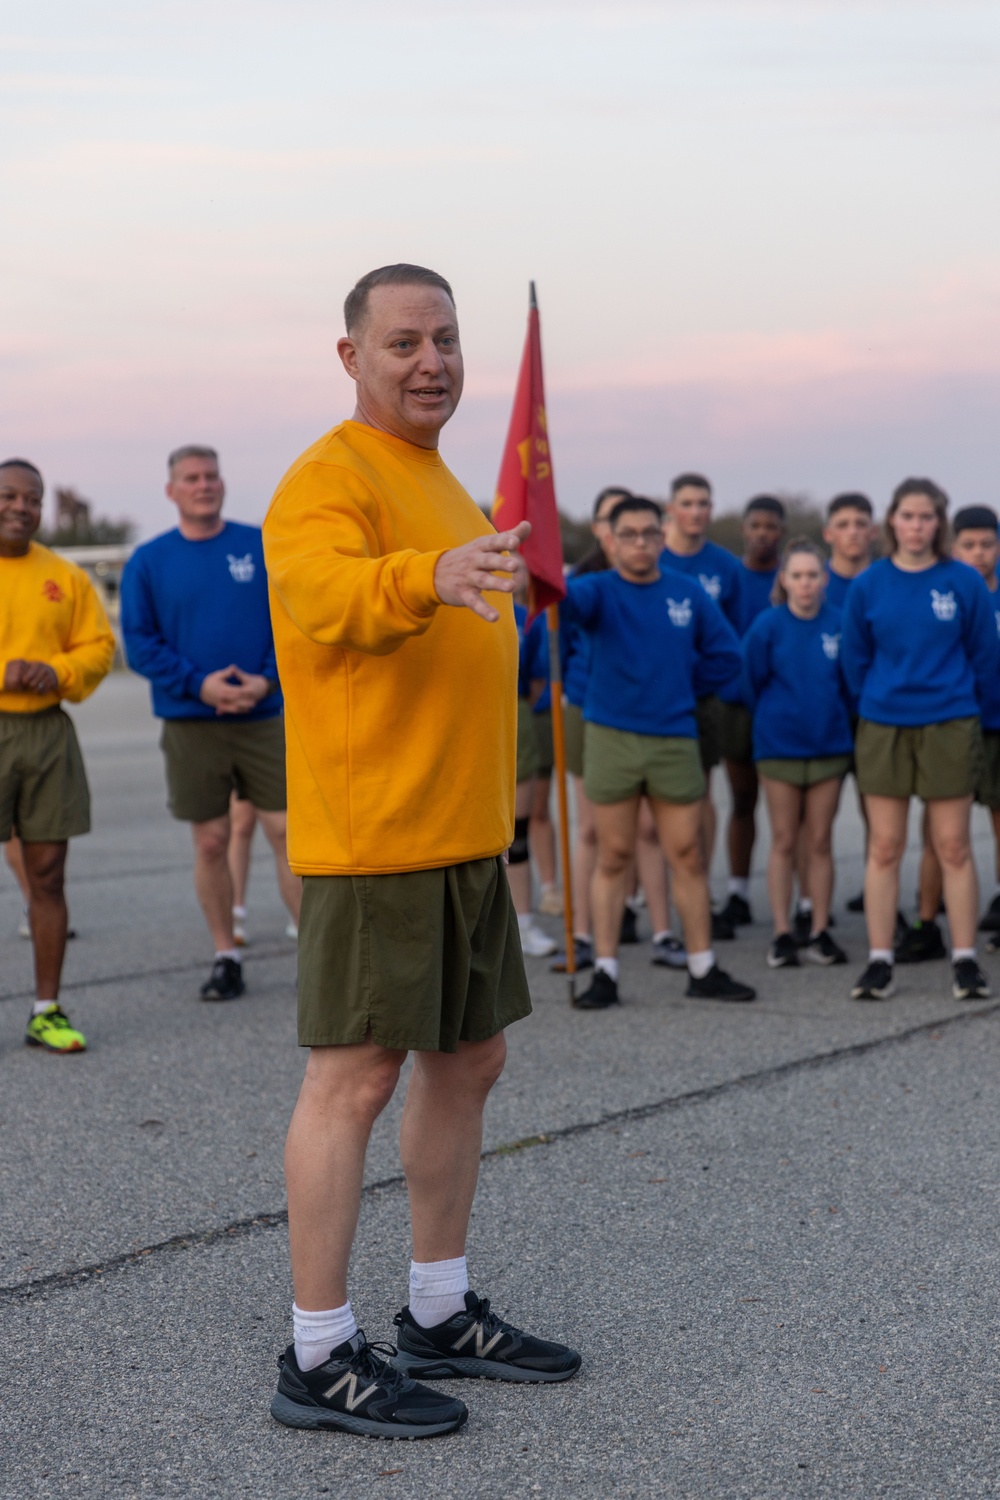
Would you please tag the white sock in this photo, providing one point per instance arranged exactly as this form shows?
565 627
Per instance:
607 966
804 905
239 912
634 904
545 885
42 1005
437 1290
524 921
738 885
957 954
317 1333
233 953
661 937
582 937
700 963
885 955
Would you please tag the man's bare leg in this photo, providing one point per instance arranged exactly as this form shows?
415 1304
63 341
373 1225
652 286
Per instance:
615 824
212 881
886 844
45 874
680 829
742 830
275 826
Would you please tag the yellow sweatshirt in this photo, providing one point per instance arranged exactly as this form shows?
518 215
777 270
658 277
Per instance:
49 611
400 712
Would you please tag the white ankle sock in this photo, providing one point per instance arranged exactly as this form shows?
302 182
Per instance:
437 1289
957 954
316 1333
42 1005
699 964
607 966
738 885
233 953
239 912
804 905
525 921
661 937
883 955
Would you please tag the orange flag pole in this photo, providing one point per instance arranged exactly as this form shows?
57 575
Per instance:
559 758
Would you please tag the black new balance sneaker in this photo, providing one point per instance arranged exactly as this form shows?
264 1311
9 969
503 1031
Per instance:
783 952
603 992
737 911
919 943
875 982
822 950
358 1390
718 985
478 1344
225 981
968 982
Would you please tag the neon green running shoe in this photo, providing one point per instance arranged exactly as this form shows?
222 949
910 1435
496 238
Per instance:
51 1029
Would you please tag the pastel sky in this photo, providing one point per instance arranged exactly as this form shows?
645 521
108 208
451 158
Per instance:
765 233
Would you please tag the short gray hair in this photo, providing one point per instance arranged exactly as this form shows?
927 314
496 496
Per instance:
356 305
190 450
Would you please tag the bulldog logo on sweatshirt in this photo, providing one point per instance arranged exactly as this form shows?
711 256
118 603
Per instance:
680 613
831 646
712 584
241 569
943 605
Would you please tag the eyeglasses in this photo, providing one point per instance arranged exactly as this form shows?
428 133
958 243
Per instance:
632 538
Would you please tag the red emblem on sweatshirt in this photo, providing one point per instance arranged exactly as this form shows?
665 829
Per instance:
52 591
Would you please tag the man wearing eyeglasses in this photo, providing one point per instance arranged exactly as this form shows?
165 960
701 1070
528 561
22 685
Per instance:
657 643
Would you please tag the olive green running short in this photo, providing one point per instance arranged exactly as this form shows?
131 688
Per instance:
208 759
419 961
736 733
573 732
805 773
988 787
44 797
926 761
708 716
527 749
620 765
543 742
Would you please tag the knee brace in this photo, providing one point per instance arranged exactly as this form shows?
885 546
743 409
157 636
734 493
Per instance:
518 853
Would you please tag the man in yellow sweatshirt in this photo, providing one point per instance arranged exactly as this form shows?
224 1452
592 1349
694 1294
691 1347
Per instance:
397 653
55 643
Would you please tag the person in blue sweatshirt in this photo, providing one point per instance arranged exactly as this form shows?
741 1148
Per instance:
534 942
196 623
802 743
653 637
920 654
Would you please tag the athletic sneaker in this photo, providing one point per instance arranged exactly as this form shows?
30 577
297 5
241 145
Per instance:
919 943
737 911
802 926
51 1029
536 943
478 1344
991 916
669 953
583 955
602 993
821 949
856 903
225 981
968 981
717 985
359 1390
723 930
630 927
783 952
876 983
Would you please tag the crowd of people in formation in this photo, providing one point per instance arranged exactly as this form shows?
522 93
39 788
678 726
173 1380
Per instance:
791 667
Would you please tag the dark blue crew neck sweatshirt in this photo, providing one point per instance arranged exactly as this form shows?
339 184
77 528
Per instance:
191 608
792 677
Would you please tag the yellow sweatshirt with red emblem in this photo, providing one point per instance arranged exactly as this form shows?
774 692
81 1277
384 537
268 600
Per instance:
50 612
400 712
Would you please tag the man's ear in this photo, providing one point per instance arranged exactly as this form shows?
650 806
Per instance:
348 351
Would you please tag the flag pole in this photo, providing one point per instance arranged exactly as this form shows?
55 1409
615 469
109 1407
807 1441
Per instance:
559 759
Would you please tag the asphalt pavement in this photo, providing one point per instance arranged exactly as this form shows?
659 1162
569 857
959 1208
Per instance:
771 1229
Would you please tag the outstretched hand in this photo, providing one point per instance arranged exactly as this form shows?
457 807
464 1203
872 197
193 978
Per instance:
464 574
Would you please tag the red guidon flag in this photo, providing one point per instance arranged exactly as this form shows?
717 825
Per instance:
526 490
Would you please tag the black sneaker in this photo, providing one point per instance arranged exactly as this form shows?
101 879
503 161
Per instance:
856 903
737 911
783 952
669 953
876 983
821 949
630 927
478 1344
225 981
583 954
358 1390
602 993
723 930
717 985
920 943
968 982
991 916
802 925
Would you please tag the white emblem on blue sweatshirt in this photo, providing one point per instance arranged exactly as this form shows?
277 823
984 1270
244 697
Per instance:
831 645
711 584
943 605
680 614
241 569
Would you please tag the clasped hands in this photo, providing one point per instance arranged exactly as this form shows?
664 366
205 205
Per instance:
233 691
464 574
30 677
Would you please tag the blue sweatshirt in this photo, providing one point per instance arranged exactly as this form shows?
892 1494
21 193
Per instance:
919 648
523 679
753 597
990 701
647 642
718 572
837 588
536 661
793 682
191 608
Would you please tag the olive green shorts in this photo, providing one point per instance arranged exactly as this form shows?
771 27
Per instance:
988 788
736 733
926 761
573 731
420 961
620 765
527 750
208 759
44 797
805 773
543 742
708 716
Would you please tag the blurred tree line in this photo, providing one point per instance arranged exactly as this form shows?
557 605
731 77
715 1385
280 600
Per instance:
77 526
